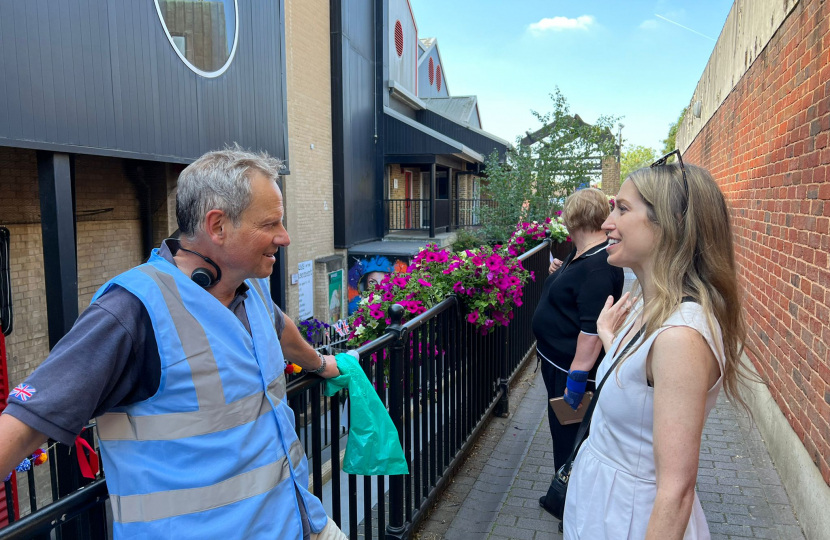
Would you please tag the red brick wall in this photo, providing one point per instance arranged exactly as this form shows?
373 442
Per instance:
768 145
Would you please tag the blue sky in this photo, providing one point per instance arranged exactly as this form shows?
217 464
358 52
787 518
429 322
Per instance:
613 57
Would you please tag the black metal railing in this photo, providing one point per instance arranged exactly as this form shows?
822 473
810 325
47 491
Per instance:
414 214
406 214
467 212
440 379
78 515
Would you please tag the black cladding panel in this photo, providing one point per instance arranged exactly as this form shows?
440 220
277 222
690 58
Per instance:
476 141
101 77
356 204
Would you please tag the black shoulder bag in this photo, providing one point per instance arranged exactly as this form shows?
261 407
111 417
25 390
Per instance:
555 498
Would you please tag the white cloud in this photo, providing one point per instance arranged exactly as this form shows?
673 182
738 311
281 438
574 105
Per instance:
648 24
558 24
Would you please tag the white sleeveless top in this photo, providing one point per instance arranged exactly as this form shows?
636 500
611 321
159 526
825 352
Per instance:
612 486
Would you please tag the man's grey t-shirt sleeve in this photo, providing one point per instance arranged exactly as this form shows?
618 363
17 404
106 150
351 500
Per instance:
279 323
90 370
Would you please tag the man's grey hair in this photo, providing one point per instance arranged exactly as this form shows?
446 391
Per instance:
219 180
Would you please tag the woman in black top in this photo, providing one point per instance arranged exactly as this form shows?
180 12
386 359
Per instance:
565 322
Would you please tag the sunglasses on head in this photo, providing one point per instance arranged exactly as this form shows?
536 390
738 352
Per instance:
663 160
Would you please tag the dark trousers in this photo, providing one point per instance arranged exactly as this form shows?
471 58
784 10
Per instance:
563 436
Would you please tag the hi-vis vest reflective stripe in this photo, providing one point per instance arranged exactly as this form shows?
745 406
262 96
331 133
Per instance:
214 453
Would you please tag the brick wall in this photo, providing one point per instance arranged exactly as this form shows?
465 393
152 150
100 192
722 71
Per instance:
462 189
308 189
109 242
397 214
768 145
610 175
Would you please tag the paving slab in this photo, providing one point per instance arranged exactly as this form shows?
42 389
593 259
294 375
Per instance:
495 496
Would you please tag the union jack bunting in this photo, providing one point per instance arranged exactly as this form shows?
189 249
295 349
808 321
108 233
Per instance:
23 392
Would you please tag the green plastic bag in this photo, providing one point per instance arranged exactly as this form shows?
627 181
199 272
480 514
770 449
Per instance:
373 448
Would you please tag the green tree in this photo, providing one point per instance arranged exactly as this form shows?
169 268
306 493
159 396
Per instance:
543 168
634 157
670 142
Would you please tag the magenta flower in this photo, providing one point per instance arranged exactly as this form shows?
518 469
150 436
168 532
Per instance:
520 240
458 287
472 317
388 296
493 261
400 281
424 282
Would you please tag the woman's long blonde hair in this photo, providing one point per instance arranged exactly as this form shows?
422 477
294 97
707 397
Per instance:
696 258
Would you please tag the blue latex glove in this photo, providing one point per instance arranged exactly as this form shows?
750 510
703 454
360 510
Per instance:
575 388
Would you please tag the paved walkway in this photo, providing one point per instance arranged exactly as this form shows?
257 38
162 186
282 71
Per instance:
495 495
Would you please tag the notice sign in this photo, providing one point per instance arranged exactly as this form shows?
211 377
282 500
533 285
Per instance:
335 296
306 283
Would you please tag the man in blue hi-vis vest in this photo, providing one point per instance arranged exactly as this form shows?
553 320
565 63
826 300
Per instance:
181 360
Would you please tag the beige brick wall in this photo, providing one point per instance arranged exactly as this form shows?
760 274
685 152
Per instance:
164 217
28 344
610 175
308 189
109 243
397 210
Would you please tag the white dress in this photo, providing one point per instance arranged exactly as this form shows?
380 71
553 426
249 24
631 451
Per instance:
612 485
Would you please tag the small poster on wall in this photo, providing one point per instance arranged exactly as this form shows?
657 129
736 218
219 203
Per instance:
306 282
336 303
368 270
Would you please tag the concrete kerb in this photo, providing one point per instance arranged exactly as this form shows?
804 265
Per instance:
809 494
326 471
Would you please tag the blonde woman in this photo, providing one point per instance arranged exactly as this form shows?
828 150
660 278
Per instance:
634 476
565 321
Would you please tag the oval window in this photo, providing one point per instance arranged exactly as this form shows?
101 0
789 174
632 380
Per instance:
203 33
399 38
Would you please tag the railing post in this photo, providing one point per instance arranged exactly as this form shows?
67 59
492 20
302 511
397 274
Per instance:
396 527
502 409
432 184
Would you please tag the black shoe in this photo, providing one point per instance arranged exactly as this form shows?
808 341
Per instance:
548 510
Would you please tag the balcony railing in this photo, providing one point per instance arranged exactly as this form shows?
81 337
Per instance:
445 380
414 214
